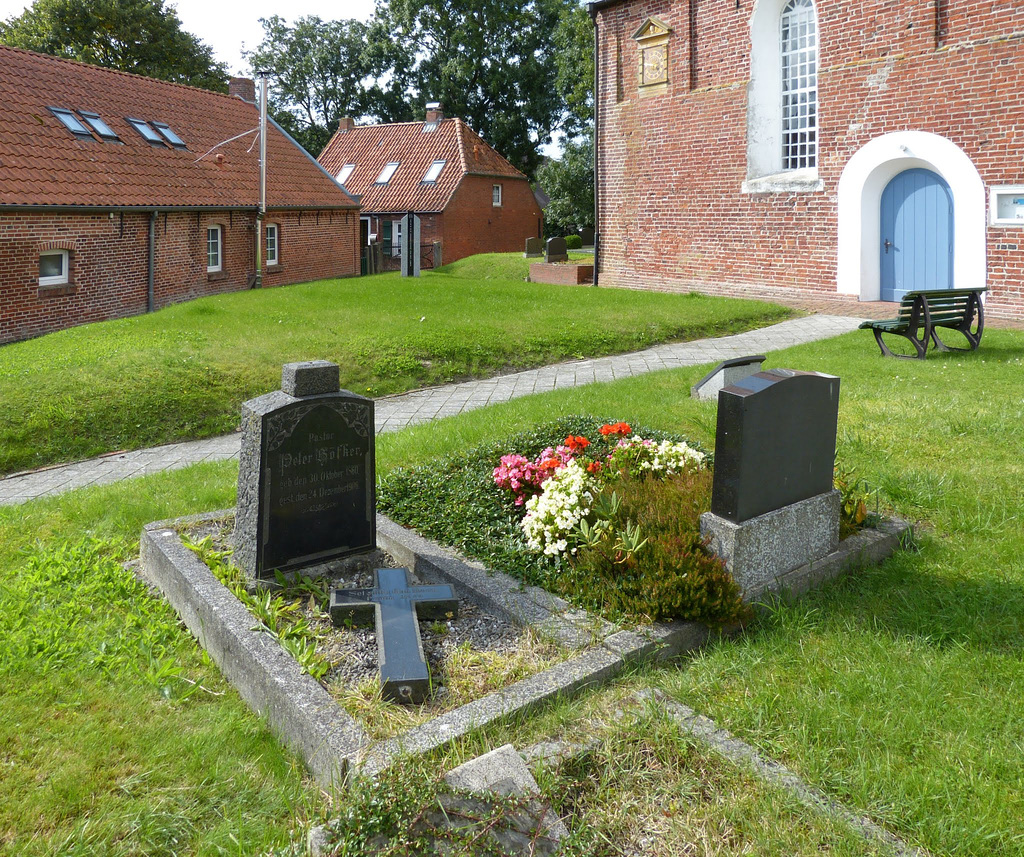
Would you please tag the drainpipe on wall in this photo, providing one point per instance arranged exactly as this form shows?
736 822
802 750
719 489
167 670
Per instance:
150 299
597 113
262 75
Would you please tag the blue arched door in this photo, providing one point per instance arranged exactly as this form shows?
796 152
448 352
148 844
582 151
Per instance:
916 242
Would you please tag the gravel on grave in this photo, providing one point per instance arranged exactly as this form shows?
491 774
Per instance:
353 652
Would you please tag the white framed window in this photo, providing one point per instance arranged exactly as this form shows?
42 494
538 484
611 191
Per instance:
396 239
387 172
53 268
433 172
496 194
214 249
345 172
799 53
272 238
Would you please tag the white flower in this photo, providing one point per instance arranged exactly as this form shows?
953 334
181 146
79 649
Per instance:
564 501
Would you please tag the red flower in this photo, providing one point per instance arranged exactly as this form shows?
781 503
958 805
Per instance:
616 428
594 467
551 463
576 443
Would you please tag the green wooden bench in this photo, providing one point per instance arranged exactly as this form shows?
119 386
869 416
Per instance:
922 313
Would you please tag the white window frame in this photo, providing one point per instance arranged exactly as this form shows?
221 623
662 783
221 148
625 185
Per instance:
798 50
388 172
217 230
65 266
345 173
275 257
396 237
433 172
496 195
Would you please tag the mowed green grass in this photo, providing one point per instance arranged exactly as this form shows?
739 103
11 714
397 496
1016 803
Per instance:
184 371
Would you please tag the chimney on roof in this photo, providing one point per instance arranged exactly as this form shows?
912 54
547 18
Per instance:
244 88
346 124
435 112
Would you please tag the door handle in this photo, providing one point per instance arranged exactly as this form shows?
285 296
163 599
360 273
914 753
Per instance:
887 245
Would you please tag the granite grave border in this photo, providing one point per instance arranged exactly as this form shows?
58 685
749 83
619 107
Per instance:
331 742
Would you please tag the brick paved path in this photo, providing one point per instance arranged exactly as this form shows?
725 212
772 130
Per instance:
397 412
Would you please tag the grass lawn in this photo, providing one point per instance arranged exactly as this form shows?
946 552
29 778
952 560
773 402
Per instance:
184 371
896 691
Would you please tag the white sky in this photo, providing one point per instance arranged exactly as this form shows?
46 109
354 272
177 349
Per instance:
228 25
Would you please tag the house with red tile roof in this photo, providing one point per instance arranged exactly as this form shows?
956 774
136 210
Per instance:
121 194
468 197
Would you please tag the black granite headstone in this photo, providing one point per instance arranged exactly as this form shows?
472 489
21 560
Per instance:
306 474
396 606
775 443
555 250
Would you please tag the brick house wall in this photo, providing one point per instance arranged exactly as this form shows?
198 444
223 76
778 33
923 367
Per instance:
492 228
108 261
672 165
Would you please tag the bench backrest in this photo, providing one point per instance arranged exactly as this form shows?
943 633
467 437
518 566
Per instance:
943 304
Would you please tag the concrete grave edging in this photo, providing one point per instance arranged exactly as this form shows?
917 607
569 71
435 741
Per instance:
305 717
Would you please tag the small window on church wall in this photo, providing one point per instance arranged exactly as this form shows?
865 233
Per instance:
652 56
799 86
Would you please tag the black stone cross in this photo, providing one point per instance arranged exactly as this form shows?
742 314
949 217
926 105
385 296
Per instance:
396 606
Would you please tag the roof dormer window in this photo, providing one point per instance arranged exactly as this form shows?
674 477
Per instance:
168 134
387 172
98 125
71 122
345 172
433 172
145 130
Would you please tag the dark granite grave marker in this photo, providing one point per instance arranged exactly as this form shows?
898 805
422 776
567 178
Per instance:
534 247
306 473
555 250
587 234
775 443
396 606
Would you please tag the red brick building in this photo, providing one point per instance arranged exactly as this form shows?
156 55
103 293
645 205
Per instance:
849 149
120 193
468 197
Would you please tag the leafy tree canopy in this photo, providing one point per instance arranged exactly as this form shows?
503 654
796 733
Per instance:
138 36
574 62
569 183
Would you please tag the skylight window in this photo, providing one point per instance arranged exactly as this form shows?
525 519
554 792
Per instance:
434 171
169 135
98 125
346 171
144 129
387 173
71 122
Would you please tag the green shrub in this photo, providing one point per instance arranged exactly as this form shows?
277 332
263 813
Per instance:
573 242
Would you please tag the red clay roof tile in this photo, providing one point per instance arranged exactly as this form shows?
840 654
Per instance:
43 163
372 147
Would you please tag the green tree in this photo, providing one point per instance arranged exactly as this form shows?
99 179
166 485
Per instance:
322 71
491 62
574 63
138 36
569 182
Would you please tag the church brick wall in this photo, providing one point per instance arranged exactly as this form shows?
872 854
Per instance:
671 165
108 262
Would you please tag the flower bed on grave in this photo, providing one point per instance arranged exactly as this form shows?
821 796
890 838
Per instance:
605 514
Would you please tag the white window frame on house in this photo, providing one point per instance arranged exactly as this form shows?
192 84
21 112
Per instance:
389 170
799 53
433 172
344 173
496 195
273 244
214 239
61 278
396 237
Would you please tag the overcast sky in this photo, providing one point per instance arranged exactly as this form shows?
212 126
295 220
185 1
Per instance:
228 25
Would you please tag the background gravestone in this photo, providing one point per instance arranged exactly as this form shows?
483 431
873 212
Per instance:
555 251
534 248
773 505
587 235
306 474
725 374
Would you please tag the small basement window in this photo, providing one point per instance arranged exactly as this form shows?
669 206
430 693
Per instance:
387 172
433 172
53 268
98 125
272 244
496 195
144 129
346 171
169 135
71 122
214 253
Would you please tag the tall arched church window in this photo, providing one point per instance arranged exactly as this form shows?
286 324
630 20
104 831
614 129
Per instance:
799 85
